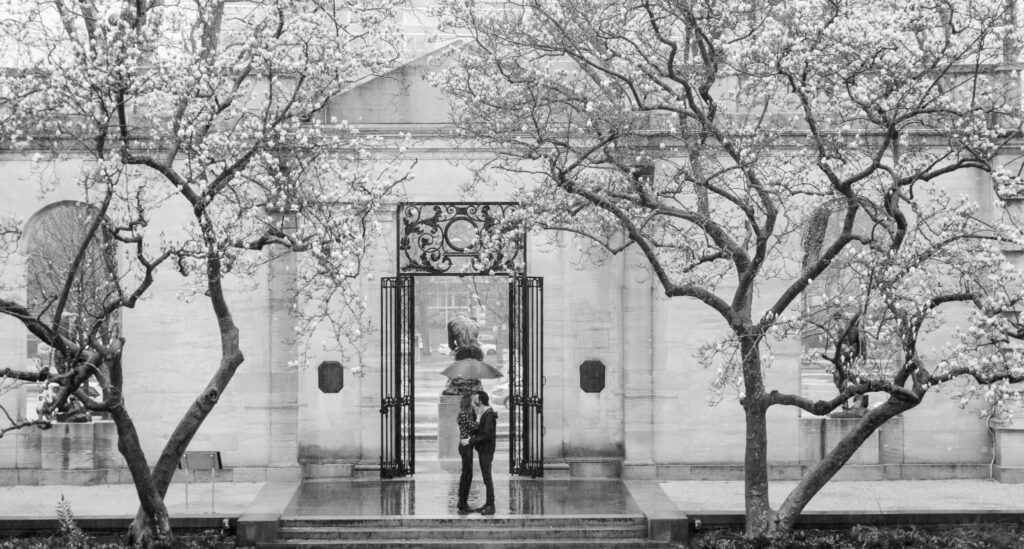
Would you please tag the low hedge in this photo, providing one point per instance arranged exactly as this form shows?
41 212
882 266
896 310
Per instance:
982 536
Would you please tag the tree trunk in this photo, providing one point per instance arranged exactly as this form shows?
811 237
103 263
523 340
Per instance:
178 442
755 460
231 359
824 470
197 413
755 464
153 522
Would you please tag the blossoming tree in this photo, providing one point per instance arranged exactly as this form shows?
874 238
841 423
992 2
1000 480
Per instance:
206 112
711 135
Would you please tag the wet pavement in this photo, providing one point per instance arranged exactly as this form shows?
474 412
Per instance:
437 497
121 500
883 496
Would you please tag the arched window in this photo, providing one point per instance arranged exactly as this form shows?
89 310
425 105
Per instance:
827 324
54 239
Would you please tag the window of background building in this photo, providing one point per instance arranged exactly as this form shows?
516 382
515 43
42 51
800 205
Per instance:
821 336
53 238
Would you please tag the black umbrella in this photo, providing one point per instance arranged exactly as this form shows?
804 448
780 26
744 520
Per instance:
471 368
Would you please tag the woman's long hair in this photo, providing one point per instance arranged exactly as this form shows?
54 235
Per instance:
466 404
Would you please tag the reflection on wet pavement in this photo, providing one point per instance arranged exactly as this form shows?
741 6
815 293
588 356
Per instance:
438 497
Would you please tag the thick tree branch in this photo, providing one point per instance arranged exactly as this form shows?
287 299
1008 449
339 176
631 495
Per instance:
823 407
22 375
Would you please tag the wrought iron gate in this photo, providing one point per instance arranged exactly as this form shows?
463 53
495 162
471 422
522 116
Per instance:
526 376
397 454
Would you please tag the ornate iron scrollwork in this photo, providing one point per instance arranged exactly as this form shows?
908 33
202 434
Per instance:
458 238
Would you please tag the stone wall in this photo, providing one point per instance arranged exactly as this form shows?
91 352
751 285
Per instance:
651 419
172 349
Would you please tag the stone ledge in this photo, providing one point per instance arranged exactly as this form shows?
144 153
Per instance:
846 519
259 521
646 470
557 469
594 467
256 528
328 470
665 522
1008 475
796 471
366 470
89 477
284 474
942 471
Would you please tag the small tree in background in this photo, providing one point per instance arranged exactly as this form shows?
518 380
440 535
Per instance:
709 135
206 112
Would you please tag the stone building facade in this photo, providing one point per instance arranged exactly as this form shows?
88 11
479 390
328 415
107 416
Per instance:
650 419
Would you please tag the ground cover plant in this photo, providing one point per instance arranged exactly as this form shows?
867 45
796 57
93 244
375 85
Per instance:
977 536
70 536
206 540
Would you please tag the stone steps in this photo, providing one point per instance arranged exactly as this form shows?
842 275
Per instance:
628 543
470 531
466 521
460 533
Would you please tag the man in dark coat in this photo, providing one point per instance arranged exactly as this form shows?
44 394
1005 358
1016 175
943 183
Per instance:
484 442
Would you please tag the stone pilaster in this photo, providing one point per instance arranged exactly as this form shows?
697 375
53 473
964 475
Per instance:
637 371
283 409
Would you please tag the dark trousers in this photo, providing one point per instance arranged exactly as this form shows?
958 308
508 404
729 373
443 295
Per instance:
486 458
466 453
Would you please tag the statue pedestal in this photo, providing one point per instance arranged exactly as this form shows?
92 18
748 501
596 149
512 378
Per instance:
68 446
448 433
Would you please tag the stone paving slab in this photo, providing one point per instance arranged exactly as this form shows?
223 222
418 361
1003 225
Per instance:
121 500
857 496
